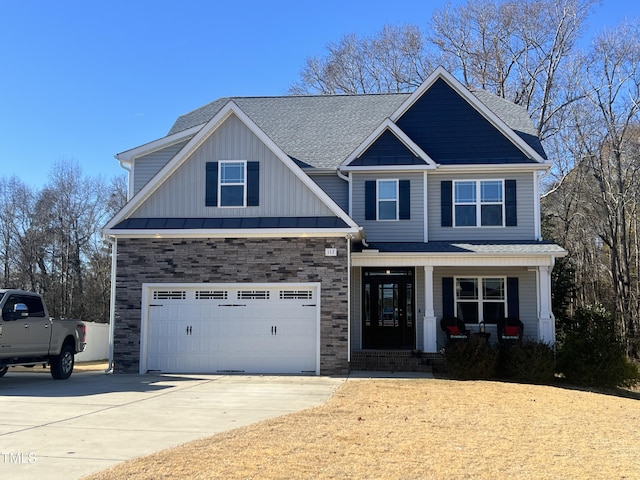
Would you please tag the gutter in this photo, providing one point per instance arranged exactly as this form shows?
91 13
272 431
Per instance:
113 241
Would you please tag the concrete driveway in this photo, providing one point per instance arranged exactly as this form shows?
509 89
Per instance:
67 429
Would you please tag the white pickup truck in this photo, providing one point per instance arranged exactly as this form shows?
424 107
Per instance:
29 337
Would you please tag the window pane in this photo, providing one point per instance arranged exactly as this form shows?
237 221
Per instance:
491 191
492 311
465 192
490 215
467 288
387 190
465 215
493 288
468 312
232 172
387 210
232 196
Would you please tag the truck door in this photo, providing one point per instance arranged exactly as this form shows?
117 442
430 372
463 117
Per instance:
39 326
14 332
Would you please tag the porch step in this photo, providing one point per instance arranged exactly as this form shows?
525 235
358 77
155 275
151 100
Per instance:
396 361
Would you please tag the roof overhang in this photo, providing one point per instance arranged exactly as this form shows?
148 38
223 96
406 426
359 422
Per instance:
462 254
226 233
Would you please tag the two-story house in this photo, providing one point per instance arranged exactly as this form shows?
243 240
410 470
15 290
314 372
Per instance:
286 234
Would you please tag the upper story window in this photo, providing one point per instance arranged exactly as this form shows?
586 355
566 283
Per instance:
478 203
232 184
387 199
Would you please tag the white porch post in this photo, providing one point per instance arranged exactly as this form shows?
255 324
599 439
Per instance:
429 326
546 320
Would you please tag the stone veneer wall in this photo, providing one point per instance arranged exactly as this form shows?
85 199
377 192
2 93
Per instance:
232 260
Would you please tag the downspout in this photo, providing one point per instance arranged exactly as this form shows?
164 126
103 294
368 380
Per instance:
348 238
112 301
126 166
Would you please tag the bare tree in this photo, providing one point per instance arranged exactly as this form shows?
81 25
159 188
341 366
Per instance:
393 60
603 191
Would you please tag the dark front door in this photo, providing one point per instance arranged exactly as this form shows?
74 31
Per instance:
388 308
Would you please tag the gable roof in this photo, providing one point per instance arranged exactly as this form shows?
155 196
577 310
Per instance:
323 131
230 108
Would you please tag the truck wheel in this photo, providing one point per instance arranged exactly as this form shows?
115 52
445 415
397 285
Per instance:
3 370
62 365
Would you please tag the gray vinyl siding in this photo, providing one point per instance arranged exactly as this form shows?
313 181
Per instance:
335 187
282 193
528 296
147 166
525 230
390 231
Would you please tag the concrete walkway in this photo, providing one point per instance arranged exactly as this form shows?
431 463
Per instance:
68 429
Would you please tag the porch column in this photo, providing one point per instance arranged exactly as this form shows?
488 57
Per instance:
546 320
429 326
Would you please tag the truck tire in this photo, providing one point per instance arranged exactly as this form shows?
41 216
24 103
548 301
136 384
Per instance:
3 370
62 365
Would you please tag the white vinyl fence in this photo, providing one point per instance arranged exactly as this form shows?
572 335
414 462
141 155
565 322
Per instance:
97 343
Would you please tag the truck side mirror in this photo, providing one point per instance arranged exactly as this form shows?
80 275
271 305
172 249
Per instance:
19 310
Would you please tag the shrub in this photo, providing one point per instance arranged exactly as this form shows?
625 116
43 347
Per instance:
529 361
592 354
471 360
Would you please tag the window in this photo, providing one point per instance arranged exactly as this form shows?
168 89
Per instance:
387 199
480 299
232 184
479 203
34 305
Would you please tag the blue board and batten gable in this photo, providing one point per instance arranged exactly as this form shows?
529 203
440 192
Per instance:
452 132
387 150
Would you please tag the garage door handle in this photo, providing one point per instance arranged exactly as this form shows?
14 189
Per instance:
189 330
274 330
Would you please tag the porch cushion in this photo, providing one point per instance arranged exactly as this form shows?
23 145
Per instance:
511 331
453 330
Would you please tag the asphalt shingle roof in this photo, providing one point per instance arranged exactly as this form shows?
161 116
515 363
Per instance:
322 131
478 247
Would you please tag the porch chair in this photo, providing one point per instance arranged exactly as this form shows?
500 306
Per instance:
510 330
454 328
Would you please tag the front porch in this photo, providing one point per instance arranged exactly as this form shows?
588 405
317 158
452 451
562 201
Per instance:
398 297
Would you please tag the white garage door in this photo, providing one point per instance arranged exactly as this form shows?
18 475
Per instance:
237 328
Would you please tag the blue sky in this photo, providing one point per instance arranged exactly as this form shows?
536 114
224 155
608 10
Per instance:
85 80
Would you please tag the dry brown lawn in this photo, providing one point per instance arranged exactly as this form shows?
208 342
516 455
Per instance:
421 429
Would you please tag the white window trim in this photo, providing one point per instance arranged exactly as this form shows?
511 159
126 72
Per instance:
397 200
478 203
243 184
480 300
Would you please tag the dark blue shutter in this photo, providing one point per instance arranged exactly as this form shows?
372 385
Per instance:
446 203
253 184
510 205
448 308
370 200
404 187
211 189
513 297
